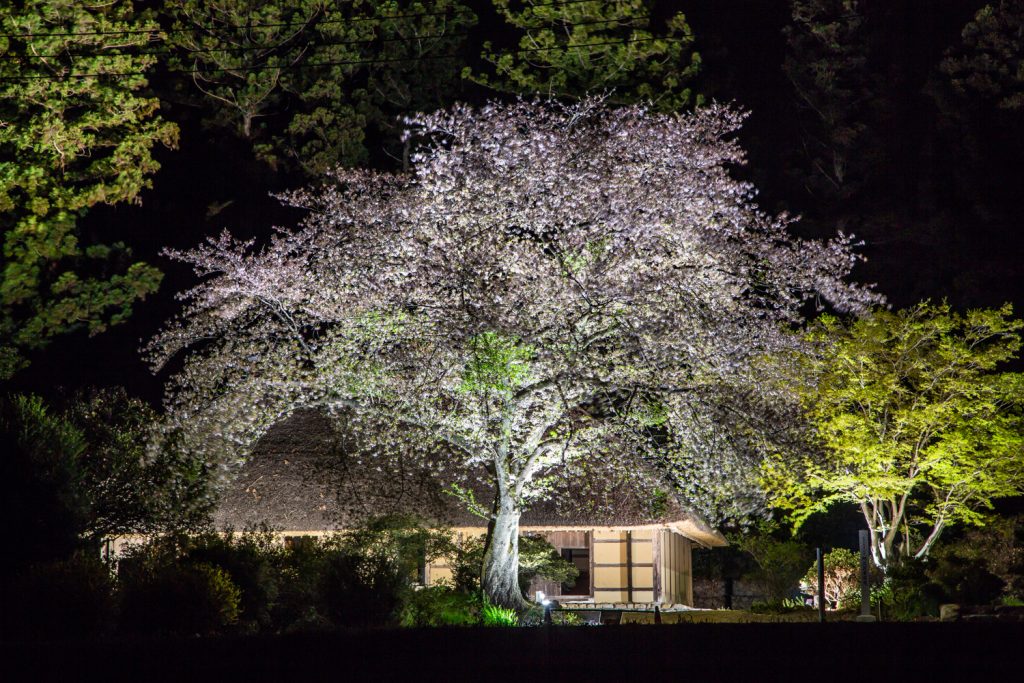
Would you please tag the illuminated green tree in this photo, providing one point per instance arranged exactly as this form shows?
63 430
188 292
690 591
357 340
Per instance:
916 424
75 131
594 46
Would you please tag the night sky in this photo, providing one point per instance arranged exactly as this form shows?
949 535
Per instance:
938 204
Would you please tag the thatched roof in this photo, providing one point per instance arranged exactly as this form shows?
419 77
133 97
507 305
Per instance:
300 478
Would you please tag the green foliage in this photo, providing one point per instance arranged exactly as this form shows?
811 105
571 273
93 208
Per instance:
780 560
492 615
538 559
497 365
571 49
67 144
70 598
369 576
984 565
826 64
252 560
43 501
131 489
906 593
440 606
989 62
915 422
163 592
842 578
784 606
313 84
71 478
363 577
363 589
566 618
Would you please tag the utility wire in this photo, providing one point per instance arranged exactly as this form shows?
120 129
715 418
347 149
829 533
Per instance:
352 20
246 48
310 65
253 48
157 29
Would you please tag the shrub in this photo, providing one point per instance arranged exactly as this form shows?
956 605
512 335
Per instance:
71 598
780 561
252 559
907 594
370 570
363 589
163 592
538 559
842 578
983 565
560 618
300 571
784 606
440 606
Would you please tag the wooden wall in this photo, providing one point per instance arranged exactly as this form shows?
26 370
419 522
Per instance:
675 568
623 566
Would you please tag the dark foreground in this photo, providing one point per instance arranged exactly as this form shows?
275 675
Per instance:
707 652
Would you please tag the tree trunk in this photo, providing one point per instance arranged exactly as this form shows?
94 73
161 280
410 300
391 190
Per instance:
500 581
885 552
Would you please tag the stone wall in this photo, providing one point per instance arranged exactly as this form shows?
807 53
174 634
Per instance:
709 593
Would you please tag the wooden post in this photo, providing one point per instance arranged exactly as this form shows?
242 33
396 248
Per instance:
865 581
821 586
629 567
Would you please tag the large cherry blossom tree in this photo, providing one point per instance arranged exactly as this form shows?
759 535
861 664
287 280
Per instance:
550 287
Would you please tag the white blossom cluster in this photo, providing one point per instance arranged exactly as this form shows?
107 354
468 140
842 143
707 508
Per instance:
549 285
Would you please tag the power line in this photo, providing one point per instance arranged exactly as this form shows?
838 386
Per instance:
126 32
248 48
310 65
253 48
351 20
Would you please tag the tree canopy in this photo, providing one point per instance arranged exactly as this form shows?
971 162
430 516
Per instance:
551 287
577 49
73 477
76 130
308 82
989 63
916 423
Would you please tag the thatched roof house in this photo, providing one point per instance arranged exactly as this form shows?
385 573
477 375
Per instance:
300 480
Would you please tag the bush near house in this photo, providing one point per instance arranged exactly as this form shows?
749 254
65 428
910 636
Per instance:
251 559
71 598
210 583
165 592
440 606
781 560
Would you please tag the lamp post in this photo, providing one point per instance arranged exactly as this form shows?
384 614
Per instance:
546 603
821 585
865 584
